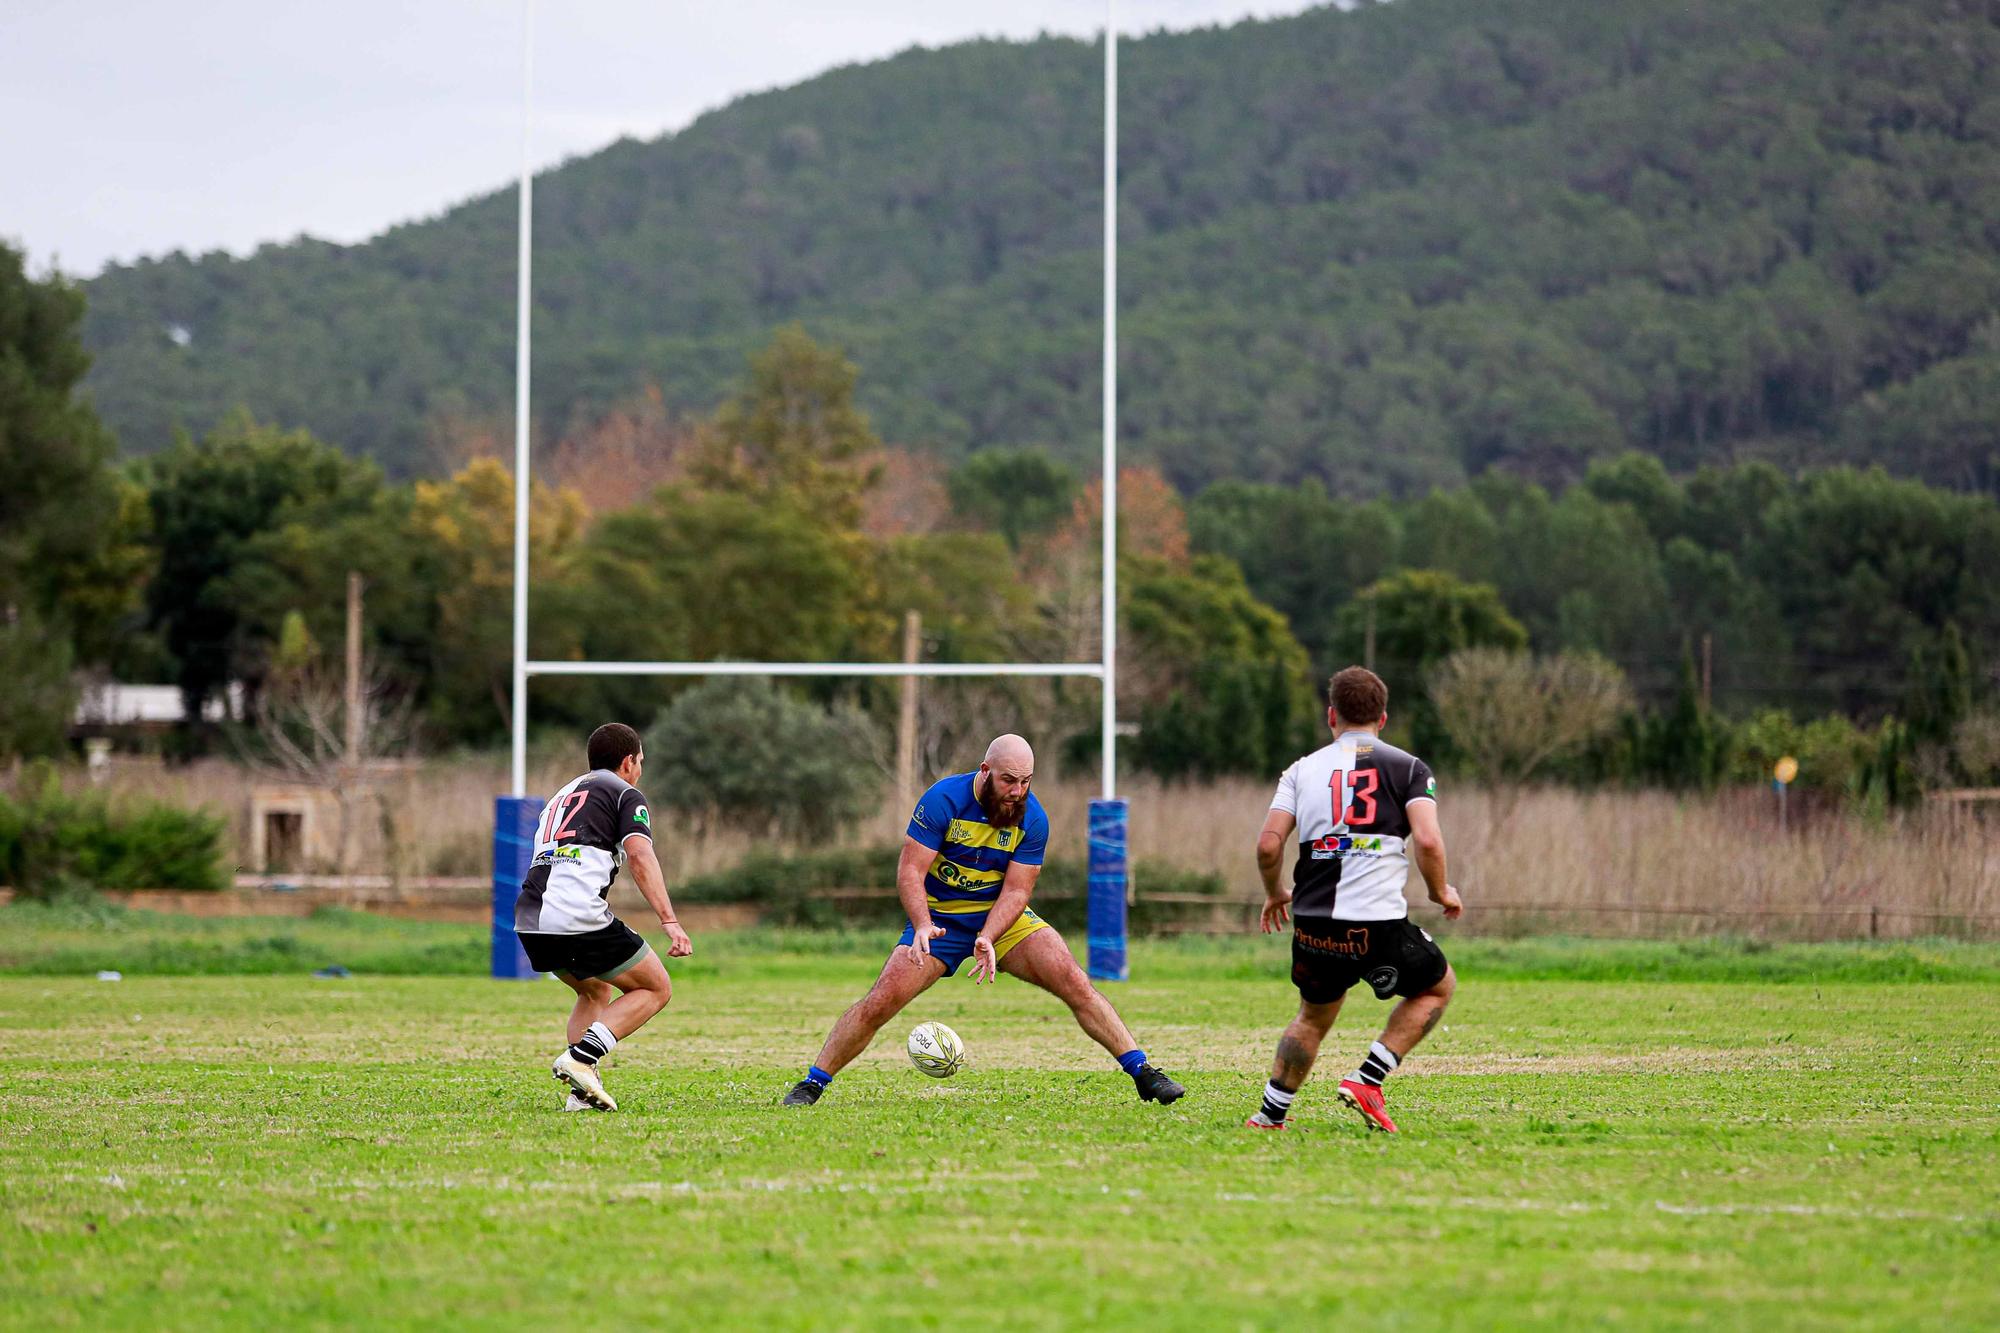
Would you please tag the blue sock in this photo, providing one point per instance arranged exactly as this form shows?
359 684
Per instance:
814 1074
1131 1060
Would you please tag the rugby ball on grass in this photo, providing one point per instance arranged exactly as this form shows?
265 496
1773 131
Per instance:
936 1050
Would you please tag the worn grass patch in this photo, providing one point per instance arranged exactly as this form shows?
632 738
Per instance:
387 1151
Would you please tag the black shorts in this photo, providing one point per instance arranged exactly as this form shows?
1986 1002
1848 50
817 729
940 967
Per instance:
1393 957
598 954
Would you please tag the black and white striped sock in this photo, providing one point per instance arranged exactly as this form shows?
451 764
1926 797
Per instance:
1377 1065
595 1043
1277 1102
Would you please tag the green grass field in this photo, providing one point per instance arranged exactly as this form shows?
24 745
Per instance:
260 1150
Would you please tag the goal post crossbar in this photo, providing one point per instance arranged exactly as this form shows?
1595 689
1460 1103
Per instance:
1092 670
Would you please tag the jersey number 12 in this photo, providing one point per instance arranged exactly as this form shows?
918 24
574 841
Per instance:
554 832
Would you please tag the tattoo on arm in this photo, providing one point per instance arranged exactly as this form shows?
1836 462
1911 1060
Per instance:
1293 1064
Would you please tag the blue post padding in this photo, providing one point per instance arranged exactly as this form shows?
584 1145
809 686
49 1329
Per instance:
1108 878
513 846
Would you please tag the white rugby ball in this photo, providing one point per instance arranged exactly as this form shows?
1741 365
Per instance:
936 1050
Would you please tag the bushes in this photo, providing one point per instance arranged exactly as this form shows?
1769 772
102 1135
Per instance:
745 752
1832 751
53 842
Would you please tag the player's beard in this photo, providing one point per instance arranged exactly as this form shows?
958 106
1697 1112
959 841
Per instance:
999 813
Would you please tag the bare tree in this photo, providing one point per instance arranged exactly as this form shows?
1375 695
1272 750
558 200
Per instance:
302 722
1511 713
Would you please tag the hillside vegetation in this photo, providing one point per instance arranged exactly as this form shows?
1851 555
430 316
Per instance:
1385 248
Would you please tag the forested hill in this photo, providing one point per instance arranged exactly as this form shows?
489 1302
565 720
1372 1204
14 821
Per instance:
1387 247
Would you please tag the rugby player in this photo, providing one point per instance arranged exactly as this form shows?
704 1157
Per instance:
971 856
1361 808
588 829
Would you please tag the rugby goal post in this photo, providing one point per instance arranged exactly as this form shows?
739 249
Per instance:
515 813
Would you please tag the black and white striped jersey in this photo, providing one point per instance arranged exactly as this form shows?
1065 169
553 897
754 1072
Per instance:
579 845
1351 800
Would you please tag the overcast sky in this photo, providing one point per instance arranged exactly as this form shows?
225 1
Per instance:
136 128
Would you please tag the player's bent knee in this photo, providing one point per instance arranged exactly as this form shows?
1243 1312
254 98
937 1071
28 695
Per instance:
880 1005
1318 1018
1072 986
648 978
1445 986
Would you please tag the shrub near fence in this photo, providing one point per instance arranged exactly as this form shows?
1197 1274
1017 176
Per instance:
53 841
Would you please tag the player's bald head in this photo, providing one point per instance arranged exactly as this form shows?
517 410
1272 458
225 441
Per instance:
1012 753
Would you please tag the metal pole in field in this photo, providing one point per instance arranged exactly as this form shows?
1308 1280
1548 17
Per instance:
1108 870
906 714
355 736
523 290
1782 773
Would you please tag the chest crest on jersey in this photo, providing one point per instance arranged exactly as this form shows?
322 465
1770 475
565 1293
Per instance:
972 833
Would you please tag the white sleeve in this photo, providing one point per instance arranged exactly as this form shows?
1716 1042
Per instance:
1286 798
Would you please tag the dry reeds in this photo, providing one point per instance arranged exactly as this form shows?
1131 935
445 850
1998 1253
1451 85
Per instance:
1609 862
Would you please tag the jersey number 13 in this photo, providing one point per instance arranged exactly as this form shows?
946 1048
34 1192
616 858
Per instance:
1354 795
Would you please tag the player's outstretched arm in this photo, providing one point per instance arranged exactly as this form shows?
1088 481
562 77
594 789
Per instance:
1271 840
910 872
1015 890
1427 842
652 884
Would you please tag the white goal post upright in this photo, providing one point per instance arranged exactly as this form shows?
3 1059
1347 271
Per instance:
1109 752
1109 878
514 813
523 305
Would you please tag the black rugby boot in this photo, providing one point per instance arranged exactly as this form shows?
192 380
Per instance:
804 1093
1155 1086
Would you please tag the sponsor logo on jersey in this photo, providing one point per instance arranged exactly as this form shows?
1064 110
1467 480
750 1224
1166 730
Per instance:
1336 845
1356 942
955 876
1430 786
555 854
640 816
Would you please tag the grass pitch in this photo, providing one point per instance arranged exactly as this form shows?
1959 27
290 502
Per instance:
274 1150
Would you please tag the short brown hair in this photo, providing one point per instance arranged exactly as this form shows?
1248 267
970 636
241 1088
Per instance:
611 744
1358 696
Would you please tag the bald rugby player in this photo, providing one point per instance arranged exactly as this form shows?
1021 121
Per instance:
970 860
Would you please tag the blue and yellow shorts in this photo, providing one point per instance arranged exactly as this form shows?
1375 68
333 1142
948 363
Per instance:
961 932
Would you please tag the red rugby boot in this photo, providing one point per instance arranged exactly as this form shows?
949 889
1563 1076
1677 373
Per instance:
1368 1101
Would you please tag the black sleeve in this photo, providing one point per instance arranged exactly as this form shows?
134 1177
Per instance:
633 817
1422 785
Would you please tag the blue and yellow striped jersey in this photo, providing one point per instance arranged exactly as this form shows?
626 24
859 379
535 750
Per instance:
972 855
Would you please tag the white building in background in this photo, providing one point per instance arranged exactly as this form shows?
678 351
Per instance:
113 715
107 704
